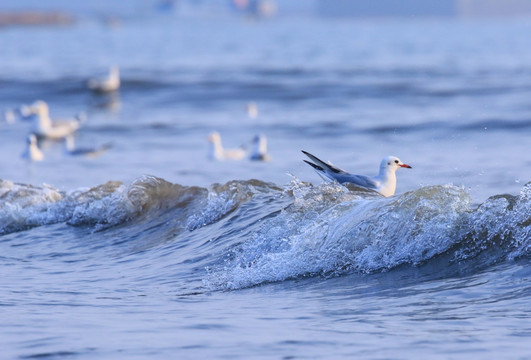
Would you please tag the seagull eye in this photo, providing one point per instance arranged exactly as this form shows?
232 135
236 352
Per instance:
396 161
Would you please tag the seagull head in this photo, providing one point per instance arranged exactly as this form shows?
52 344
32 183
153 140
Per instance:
40 108
214 137
259 140
259 143
392 163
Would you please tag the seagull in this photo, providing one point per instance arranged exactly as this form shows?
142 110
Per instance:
71 150
32 152
107 84
10 115
252 110
217 152
21 113
43 126
259 151
384 182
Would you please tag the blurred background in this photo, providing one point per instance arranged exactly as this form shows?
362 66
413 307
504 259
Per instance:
445 85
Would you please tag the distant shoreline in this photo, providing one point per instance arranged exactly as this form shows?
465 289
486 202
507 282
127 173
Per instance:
35 18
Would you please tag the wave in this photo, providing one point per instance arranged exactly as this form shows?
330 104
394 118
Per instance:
331 231
251 232
26 206
113 203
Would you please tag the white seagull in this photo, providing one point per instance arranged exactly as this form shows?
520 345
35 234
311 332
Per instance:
43 126
32 152
107 84
259 150
71 150
10 115
384 182
217 152
252 110
21 113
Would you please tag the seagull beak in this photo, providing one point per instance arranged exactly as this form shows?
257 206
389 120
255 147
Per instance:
405 166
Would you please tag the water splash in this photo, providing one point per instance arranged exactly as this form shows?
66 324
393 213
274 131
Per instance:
330 231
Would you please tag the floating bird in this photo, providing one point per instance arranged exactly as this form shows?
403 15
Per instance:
106 84
259 150
71 150
32 152
384 182
217 152
10 116
21 113
43 127
252 110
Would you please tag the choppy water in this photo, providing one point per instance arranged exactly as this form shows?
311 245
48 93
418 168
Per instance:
153 251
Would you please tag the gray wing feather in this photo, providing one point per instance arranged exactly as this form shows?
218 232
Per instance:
359 180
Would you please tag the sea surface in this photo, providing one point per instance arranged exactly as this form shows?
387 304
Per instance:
154 251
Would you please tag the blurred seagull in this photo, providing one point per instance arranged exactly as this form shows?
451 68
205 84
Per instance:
21 113
217 152
259 150
106 84
384 182
71 150
32 152
10 116
43 126
252 110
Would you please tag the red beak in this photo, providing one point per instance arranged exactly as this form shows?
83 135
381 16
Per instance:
406 166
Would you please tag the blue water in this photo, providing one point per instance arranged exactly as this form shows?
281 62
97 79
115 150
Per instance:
152 250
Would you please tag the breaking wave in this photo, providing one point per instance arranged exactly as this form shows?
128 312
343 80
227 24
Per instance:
331 231
253 232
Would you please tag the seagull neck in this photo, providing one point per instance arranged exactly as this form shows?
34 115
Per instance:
263 146
386 174
387 178
44 120
114 73
69 143
216 149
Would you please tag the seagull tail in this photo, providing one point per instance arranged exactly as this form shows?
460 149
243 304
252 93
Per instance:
327 168
320 171
316 167
322 165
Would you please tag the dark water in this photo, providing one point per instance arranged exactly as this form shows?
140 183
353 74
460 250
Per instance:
153 251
